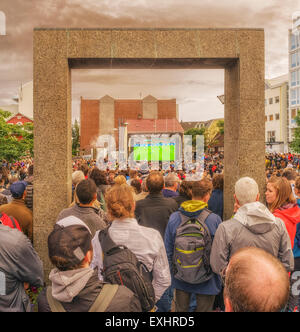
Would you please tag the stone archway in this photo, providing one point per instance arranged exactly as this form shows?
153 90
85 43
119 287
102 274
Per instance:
56 51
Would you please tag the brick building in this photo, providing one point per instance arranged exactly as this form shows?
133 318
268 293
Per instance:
106 115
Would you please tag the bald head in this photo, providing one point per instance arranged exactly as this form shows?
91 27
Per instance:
255 281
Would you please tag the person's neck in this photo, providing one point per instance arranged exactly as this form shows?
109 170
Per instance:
86 205
170 188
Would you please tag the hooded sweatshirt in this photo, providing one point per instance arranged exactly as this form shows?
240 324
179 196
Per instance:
290 215
192 209
252 226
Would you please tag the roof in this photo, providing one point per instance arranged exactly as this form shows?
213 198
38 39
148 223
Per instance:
277 81
19 114
152 126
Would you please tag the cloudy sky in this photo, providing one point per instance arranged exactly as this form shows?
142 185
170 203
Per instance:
195 90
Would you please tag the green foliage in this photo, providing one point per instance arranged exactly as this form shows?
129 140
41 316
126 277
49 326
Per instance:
220 125
194 132
295 144
11 146
75 138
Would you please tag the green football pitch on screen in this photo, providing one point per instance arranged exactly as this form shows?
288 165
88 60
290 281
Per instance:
157 152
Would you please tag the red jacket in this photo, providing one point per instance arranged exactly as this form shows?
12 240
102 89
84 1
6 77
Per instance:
290 216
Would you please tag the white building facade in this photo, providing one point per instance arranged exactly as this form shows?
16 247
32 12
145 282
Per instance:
276 114
294 75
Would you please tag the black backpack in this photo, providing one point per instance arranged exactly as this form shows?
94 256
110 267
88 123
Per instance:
120 266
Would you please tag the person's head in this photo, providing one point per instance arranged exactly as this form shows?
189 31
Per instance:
3 199
77 177
18 189
136 184
255 281
30 170
289 174
155 182
201 190
172 181
218 181
185 189
85 169
246 191
70 245
120 201
86 192
279 193
98 176
120 179
133 174
297 186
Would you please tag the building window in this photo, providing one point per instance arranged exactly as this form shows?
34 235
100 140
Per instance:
270 101
271 136
295 77
266 118
295 96
271 117
293 113
277 99
277 116
294 41
295 59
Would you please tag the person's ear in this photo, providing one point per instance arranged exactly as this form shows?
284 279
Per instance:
228 306
257 197
94 197
88 257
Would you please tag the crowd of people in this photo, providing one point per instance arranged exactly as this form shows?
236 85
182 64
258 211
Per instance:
142 240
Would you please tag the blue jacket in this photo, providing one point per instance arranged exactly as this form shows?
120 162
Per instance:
215 203
296 250
214 285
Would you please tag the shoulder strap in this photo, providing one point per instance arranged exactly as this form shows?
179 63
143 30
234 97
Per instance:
106 241
203 215
55 305
104 298
13 221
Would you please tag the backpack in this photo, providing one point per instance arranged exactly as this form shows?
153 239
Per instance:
191 259
120 266
9 221
100 305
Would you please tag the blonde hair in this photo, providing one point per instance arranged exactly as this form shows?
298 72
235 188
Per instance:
120 179
120 201
284 194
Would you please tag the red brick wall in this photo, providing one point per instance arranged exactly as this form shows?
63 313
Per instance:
126 109
166 109
89 122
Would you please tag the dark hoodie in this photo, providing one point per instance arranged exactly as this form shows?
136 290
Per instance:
252 226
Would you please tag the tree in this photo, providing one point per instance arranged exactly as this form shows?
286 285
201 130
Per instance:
295 144
220 125
15 141
75 138
194 132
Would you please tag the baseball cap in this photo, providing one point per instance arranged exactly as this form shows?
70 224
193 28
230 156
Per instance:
70 242
17 189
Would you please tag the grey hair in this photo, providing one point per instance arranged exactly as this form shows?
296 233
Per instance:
246 190
171 179
77 177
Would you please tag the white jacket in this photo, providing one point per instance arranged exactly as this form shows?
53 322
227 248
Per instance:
148 246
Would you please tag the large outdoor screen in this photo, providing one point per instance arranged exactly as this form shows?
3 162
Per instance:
154 152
